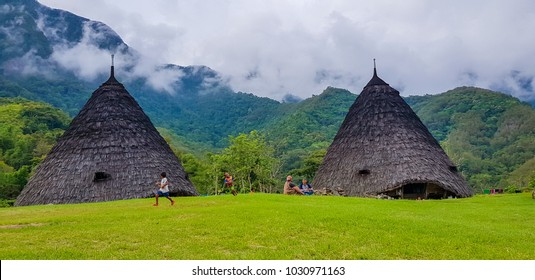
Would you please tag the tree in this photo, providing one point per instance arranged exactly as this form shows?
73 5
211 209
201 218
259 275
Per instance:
28 130
250 160
11 183
201 173
311 164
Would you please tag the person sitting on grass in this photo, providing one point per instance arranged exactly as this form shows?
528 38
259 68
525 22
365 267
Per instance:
291 188
164 189
306 188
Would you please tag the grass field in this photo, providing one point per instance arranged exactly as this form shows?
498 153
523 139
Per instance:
276 227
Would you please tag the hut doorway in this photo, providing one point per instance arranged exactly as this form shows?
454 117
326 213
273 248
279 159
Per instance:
423 191
414 191
419 191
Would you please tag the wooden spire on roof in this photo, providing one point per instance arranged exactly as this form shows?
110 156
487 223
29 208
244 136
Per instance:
375 80
111 80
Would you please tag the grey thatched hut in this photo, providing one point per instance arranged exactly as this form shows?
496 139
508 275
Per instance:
382 148
110 151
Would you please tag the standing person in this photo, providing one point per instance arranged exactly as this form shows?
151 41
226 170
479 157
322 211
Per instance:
290 187
229 183
164 189
306 188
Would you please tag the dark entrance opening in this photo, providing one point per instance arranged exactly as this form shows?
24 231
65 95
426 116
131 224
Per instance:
419 191
364 172
101 176
414 191
424 191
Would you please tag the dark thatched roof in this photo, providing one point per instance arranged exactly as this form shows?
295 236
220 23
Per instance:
382 147
111 151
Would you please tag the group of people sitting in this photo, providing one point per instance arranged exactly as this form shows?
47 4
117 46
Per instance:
304 187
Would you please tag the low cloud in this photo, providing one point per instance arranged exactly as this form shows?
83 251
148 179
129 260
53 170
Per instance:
520 83
276 48
88 56
86 59
166 79
89 60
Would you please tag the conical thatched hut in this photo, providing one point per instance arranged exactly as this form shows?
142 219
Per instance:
111 151
382 148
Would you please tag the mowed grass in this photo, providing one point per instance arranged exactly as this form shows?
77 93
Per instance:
275 227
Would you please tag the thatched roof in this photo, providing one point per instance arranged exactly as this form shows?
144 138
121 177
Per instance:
382 147
110 151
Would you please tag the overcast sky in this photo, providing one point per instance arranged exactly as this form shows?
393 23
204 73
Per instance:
299 47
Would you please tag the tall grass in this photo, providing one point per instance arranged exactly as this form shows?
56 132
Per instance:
263 226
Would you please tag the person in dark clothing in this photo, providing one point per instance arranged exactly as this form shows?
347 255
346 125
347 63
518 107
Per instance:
306 188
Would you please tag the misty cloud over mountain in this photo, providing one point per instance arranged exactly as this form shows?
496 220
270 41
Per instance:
278 51
38 40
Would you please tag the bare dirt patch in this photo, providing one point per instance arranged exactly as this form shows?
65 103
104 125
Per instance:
22 225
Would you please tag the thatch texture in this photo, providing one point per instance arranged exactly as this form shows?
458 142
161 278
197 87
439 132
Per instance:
111 151
382 147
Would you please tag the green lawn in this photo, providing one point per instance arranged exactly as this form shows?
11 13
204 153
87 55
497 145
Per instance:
264 226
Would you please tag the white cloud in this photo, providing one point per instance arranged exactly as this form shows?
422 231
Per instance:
85 58
272 48
89 61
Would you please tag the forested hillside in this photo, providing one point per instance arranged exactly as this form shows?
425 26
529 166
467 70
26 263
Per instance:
303 131
28 130
491 136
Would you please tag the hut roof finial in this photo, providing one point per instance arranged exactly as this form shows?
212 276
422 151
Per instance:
112 72
111 79
375 81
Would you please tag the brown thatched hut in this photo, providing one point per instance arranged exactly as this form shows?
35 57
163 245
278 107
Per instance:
111 151
382 148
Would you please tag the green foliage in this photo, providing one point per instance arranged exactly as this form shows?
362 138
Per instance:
271 227
207 118
6 202
303 128
12 89
28 130
310 165
203 174
490 136
65 92
511 189
311 123
531 184
11 183
438 112
201 171
250 160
